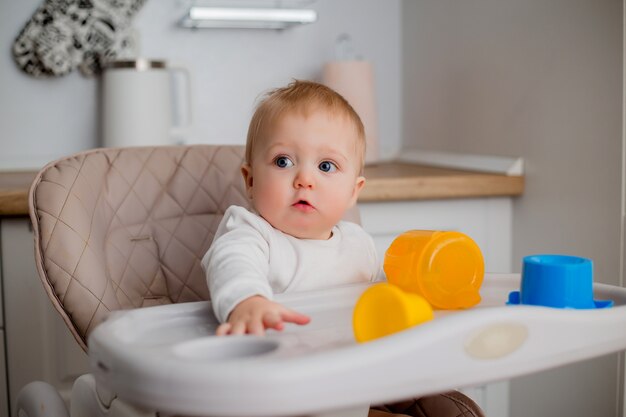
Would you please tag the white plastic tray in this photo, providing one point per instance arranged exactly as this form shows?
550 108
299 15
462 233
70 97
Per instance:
165 358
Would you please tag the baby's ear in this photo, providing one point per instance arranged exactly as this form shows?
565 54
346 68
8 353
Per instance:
246 171
358 186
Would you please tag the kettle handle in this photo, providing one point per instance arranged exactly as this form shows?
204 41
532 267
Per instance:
181 104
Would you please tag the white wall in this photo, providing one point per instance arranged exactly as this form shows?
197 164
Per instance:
44 119
541 80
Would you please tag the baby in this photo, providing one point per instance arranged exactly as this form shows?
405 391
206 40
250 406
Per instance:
302 171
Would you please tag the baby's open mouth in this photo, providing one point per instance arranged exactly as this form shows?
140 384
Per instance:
303 205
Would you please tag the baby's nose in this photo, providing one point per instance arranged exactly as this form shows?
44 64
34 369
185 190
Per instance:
304 179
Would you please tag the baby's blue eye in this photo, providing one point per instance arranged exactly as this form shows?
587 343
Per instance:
283 162
327 166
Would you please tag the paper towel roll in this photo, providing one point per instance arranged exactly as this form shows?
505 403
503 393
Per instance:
354 80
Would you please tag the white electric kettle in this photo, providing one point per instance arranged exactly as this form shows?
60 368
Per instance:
141 101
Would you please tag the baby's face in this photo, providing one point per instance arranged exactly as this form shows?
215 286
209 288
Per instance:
304 177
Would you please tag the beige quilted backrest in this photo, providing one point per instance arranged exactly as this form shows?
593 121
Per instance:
127 228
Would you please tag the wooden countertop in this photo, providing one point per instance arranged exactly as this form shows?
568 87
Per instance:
385 182
14 192
405 181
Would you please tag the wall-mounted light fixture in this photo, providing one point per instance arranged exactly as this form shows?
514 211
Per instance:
246 18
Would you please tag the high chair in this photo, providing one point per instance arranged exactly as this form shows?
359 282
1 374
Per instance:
120 229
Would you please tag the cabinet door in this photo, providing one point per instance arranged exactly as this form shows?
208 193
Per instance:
39 345
4 402
487 221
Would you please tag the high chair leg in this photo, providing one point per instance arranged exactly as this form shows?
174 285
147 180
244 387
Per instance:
40 399
86 402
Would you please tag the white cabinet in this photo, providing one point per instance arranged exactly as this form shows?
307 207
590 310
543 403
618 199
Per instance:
38 344
4 400
488 221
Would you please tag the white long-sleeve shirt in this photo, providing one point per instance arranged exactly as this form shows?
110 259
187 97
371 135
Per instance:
250 257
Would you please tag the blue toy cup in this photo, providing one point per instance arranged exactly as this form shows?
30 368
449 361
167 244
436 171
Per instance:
558 281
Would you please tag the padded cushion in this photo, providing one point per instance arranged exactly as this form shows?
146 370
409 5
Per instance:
127 228
448 404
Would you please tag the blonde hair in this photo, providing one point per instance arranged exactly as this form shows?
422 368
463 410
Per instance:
304 97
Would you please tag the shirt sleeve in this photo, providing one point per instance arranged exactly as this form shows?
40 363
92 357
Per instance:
237 263
378 274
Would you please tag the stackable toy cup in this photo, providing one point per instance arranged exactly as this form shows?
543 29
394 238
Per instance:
384 309
559 281
446 268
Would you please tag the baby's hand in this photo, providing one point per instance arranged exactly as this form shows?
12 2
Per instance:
255 314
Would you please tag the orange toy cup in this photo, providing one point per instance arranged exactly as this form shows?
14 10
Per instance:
384 309
446 268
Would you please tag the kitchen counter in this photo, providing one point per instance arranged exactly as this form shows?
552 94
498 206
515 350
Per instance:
389 181
14 192
406 181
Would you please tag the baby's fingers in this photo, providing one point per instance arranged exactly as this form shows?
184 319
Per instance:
273 321
223 329
239 328
294 317
256 328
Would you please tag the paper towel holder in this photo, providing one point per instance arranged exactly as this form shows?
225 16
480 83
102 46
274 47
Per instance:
353 77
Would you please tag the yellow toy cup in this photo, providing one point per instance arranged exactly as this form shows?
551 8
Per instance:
446 268
384 309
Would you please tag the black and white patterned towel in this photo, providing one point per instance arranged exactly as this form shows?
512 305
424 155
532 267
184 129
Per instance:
65 34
